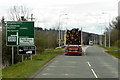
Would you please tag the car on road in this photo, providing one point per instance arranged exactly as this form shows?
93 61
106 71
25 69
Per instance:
91 43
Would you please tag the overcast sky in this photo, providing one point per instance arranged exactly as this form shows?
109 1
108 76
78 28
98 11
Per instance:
80 13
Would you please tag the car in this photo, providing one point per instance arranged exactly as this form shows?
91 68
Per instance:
91 43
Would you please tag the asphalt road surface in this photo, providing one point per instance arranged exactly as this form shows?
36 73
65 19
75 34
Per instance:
93 64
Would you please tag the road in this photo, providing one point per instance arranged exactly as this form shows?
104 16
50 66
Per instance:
93 64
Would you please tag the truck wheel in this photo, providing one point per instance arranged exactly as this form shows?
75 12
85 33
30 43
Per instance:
80 54
66 54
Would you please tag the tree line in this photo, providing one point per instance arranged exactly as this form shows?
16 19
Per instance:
114 28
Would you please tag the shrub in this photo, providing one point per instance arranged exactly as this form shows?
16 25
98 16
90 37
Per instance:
117 43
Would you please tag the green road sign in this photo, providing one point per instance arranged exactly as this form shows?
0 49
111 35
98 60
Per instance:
20 33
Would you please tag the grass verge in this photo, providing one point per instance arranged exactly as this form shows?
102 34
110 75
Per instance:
0 74
27 67
112 51
111 48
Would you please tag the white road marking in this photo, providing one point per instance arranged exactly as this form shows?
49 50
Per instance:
89 64
92 70
94 73
47 69
71 62
51 66
55 61
45 74
66 74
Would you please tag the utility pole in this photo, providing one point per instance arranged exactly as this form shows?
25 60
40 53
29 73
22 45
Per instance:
94 38
60 27
109 34
101 39
59 31
105 38
81 36
108 26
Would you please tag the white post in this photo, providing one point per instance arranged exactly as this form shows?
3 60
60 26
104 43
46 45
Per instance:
101 39
17 38
109 37
105 38
59 28
81 37
59 31
64 36
109 30
94 39
61 36
109 27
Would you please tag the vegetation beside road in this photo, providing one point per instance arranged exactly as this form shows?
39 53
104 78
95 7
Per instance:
0 74
112 51
43 40
26 68
111 48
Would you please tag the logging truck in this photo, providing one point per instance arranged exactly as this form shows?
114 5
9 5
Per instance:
73 42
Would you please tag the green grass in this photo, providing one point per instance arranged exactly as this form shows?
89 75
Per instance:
112 51
26 68
111 48
0 74
58 48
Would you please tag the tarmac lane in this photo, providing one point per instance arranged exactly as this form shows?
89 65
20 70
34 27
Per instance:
93 64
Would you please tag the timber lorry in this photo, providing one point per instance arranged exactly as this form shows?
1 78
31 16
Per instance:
73 42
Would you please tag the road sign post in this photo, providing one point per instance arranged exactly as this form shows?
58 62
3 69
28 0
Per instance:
31 57
12 54
22 58
19 33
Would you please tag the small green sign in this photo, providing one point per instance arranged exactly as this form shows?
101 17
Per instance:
20 33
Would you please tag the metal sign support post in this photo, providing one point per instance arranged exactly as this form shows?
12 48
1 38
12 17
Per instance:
22 58
31 57
31 20
12 55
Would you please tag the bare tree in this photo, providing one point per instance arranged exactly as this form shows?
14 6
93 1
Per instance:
19 12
